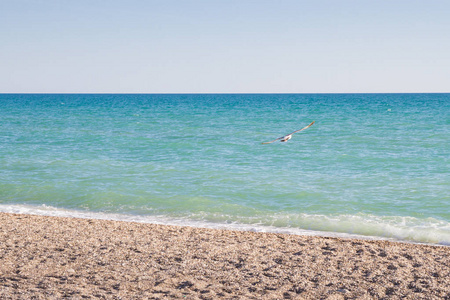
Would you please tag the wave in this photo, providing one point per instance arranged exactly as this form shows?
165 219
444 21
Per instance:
360 226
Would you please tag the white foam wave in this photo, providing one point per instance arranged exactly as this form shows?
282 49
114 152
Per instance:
402 229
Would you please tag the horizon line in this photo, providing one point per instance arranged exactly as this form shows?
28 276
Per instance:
208 93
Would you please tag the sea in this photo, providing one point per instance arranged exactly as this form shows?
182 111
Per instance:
372 166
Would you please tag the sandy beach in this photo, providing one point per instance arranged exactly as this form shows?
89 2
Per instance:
51 258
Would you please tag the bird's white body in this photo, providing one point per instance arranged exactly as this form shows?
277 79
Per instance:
286 138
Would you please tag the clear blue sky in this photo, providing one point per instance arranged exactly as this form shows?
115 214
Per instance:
315 46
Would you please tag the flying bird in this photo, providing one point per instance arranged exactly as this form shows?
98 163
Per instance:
289 136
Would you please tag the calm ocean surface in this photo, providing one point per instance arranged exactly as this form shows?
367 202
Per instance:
374 165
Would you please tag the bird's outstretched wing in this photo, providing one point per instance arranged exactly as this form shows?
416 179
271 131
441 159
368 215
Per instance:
303 128
273 140
290 133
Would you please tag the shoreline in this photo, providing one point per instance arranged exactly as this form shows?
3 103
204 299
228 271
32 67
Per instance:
52 257
164 220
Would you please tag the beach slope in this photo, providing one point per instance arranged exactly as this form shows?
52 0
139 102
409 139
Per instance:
51 258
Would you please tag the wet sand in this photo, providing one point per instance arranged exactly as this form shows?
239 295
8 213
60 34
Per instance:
51 258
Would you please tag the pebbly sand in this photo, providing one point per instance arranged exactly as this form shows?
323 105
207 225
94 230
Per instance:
51 258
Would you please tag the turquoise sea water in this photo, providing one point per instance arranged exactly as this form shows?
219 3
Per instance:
374 165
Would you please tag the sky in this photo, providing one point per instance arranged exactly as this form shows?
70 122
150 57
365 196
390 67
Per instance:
228 46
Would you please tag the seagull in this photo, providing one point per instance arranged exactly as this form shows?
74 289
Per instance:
289 136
